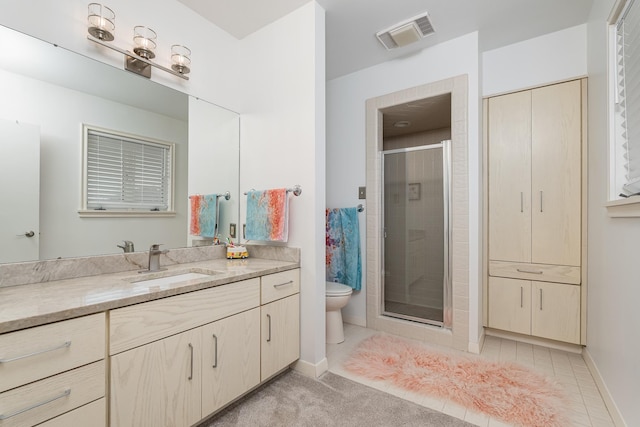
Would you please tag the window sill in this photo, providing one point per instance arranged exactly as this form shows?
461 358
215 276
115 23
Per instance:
624 208
125 214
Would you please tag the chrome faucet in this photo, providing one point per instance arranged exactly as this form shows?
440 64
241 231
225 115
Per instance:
127 246
154 257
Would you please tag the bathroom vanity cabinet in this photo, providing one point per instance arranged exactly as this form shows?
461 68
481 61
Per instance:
536 222
194 353
168 361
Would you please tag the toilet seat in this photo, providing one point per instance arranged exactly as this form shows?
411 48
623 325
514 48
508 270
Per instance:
335 289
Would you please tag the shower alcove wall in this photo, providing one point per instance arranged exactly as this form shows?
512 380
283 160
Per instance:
458 335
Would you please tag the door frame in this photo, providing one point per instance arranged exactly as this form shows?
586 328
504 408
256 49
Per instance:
458 336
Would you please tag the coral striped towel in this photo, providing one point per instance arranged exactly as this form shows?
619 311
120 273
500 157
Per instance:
343 259
267 215
204 209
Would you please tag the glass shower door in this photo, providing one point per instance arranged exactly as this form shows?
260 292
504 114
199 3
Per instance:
416 283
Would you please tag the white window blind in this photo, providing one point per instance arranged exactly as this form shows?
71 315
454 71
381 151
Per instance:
628 102
126 173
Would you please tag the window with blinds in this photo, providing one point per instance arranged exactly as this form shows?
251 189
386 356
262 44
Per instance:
627 134
126 173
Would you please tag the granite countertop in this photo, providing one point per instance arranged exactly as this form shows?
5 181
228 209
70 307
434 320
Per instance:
35 304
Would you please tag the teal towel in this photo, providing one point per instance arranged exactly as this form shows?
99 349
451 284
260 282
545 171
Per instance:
343 259
208 215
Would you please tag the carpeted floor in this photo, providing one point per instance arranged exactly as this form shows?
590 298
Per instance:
293 400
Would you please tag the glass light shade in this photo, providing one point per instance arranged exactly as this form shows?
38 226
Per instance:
101 22
144 42
180 59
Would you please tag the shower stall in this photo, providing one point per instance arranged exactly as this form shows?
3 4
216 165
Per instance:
416 279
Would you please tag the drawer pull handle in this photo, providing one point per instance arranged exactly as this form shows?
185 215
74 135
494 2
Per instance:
269 337
215 351
283 284
191 372
63 345
65 393
529 271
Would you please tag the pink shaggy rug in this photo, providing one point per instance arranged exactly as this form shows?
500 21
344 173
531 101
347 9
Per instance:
506 391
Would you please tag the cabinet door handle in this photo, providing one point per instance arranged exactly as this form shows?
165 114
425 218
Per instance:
215 351
269 336
540 299
24 356
65 393
283 284
191 369
521 296
541 210
521 201
519 270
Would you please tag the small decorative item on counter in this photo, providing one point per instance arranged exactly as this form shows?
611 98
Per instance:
236 252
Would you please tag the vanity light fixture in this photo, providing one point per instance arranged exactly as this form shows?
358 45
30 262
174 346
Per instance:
101 26
101 22
180 58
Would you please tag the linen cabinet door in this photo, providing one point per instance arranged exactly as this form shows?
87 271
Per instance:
556 174
510 305
556 311
158 384
230 359
510 177
280 342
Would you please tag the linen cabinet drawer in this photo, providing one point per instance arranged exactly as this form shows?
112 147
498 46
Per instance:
141 324
539 272
280 285
43 400
32 354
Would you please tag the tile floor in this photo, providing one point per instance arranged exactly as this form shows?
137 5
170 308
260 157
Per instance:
587 407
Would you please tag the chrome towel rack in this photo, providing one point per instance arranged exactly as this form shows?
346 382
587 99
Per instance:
296 190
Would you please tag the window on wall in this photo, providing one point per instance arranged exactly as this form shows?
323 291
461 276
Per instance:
625 44
126 174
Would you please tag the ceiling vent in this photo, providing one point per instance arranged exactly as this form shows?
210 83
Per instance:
406 32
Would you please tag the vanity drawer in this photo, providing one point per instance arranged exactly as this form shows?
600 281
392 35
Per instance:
45 399
32 354
279 285
140 324
93 414
538 272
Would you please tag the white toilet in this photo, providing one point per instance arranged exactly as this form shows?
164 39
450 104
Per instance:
337 296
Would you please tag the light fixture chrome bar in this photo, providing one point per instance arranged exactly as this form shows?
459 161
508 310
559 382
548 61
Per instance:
136 57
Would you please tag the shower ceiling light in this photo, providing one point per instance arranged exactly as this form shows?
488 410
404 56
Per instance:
402 124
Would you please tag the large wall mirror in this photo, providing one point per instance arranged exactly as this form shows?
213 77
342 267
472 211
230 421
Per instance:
51 92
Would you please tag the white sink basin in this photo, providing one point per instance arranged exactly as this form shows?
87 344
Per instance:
168 278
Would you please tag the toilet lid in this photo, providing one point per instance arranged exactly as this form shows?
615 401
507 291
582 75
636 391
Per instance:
338 289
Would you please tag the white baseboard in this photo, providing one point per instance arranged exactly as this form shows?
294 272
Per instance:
604 391
358 321
308 369
476 347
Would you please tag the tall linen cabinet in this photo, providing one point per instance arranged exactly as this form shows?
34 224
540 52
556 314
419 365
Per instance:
535 222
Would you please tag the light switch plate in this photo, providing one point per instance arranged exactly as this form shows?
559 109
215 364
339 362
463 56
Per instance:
362 192
232 230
